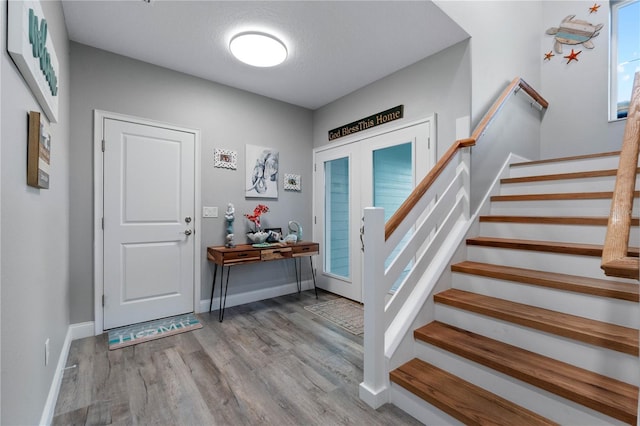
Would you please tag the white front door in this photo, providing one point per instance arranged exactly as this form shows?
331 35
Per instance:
149 208
337 194
376 171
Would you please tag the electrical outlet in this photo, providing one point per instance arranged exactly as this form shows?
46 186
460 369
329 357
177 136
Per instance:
209 212
46 352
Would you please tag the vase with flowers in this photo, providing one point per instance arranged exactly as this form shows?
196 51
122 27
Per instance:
256 235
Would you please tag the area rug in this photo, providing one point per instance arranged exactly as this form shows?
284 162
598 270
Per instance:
342 312
157 329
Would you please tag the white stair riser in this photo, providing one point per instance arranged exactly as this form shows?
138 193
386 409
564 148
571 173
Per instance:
584 234
528 396
598 207
583 165
419 408
595 184
613 311
587 266
603 361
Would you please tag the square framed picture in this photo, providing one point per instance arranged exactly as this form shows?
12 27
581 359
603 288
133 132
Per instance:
225 159
292 182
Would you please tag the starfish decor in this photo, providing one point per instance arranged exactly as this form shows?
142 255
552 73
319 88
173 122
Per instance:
548 55
573 56
594 8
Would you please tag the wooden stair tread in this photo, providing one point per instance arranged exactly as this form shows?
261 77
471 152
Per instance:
545 246
610 336
558 196
561 159
586 285
460 399
604 394
562 176
554 220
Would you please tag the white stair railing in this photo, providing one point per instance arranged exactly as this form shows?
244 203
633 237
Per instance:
447 204
436 215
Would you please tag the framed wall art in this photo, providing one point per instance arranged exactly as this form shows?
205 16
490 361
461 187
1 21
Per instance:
262 172
31 47
225 159
292 182
38 151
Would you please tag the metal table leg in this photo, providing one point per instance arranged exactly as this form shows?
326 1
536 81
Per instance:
313 274
223 303
213 284
297 262
298 271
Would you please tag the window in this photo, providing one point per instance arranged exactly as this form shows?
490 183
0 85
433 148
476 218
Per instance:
625 54
337 217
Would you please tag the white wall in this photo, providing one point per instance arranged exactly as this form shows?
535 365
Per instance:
438 84
504 43
34 241
578 93
227 118
504 39
508 40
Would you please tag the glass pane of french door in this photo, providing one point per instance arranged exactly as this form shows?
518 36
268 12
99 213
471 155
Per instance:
392 184
392 177
337 227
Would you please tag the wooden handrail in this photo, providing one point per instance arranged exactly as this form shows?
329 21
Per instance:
615 261
497 105
420 189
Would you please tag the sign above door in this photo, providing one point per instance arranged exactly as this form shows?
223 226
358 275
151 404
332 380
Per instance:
374 120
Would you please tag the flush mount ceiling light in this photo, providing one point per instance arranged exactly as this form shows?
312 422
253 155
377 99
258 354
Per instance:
258 49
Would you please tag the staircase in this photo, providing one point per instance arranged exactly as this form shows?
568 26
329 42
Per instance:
531 331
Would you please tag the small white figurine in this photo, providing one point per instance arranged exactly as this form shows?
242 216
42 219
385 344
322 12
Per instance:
229 216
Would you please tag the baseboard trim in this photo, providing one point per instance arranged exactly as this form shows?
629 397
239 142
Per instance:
373 398
82 330
74 332
254 296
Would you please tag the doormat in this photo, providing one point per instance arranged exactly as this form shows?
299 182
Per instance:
157 329
342 312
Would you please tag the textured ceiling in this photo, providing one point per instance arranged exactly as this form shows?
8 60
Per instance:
335 47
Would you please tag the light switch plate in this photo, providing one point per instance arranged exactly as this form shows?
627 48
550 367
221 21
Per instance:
209 212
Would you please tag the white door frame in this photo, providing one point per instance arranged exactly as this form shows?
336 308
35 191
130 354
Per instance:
433 144
98 208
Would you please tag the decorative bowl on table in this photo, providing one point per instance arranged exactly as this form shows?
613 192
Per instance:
257 237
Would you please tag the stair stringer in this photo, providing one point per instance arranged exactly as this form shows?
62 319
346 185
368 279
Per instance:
419 309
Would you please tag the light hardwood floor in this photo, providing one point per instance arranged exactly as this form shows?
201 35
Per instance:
269 363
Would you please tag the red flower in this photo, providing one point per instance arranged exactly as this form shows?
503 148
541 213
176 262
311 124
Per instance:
257 212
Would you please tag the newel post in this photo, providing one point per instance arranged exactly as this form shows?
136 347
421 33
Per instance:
374 388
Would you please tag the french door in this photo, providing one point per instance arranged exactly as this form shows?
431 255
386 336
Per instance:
378 171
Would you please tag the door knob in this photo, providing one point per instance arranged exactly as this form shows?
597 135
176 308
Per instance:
187 219
188 232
